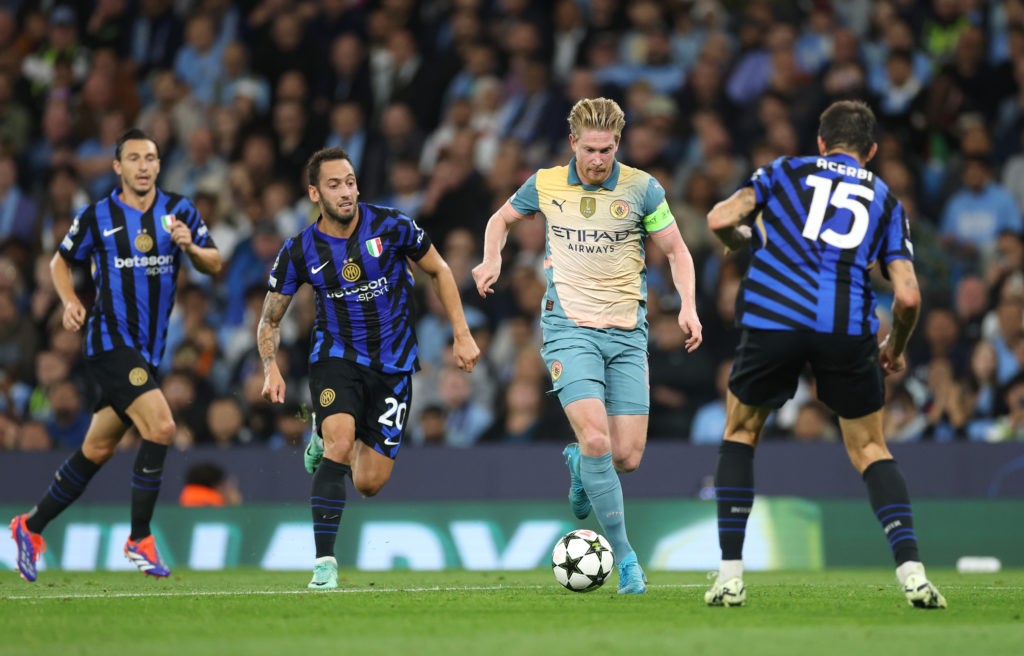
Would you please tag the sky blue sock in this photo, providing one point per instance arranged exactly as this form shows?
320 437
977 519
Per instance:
601 482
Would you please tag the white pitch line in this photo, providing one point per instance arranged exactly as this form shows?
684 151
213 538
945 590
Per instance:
490 588
225 593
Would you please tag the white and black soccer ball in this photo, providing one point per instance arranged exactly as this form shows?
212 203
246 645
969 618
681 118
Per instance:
582 560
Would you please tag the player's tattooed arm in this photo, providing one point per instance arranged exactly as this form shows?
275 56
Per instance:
268 336
268 333
730 218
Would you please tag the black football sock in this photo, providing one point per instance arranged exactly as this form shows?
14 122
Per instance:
890 500
734 491
69 481
147 475
327 501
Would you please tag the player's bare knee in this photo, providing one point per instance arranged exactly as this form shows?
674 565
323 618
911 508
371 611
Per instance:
162 432
863 456
742 435
594 440
628 463
337 450
98 453
369 488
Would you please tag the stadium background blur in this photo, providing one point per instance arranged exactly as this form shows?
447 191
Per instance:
446 106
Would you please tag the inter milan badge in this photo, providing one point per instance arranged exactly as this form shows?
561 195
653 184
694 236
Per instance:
351 271
326 397
167 222
588 205
556 370
620 209
138 376
143 242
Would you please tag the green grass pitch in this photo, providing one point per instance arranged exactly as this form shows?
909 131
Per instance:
250 612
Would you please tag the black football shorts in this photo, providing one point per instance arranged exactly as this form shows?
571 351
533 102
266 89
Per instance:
848 376
379 402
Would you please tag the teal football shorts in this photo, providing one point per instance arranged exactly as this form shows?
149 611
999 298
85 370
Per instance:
596 363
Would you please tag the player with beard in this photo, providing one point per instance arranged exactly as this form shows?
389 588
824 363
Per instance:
363 348
599 214
134 239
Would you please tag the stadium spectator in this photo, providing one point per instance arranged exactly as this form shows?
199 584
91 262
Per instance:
249 266
1010 426
431 429
347 78
201 166
709 422
680 382
17 209
225 425
406 184
172 99
155 37
50 369
923 68
60 47
981 392
18 337
814 423
199 63
16 123
975 215
903 421
93 156
69 416
1013 171
53 146
521 417
33 436
290 427
208 485
348 131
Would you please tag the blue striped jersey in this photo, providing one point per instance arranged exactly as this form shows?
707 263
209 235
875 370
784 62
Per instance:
134 267
362 285
823 223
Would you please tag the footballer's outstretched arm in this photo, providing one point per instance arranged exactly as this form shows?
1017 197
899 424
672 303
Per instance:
726 218
268 337
464 348
680 263
486 273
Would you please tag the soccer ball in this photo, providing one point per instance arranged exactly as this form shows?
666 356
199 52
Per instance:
582 560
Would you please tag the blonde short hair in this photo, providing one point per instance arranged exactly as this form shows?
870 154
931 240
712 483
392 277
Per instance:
596 114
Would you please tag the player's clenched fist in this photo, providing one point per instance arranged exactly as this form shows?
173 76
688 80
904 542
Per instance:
74 315
466 352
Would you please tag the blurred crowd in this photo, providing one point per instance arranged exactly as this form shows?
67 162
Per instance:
446 107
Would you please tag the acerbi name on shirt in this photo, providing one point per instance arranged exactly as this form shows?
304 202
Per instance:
366 291
843 169
155 264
